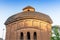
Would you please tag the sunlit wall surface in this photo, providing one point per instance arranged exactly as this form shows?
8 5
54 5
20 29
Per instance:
34 23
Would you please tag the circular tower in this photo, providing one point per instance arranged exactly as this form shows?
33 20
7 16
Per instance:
28 25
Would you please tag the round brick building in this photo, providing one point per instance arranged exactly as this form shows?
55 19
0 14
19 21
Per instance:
28 25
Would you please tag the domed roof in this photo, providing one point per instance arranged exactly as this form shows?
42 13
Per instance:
28 15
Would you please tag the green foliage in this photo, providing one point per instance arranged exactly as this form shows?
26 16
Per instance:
56 33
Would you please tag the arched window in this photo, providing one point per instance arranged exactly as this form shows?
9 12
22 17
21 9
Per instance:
28 35
21 36
35 36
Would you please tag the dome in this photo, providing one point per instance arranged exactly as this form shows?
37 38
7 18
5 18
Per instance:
28 14
28 7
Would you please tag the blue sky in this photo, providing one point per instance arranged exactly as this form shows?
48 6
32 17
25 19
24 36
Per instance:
11 7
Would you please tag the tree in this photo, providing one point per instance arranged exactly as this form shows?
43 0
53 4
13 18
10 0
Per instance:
55 33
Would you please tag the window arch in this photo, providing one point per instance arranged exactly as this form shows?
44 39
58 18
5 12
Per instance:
35 36
28 35
21 35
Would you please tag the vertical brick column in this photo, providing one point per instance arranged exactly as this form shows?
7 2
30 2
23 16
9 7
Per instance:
25 36
18 35
31 36
8 31
38 36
